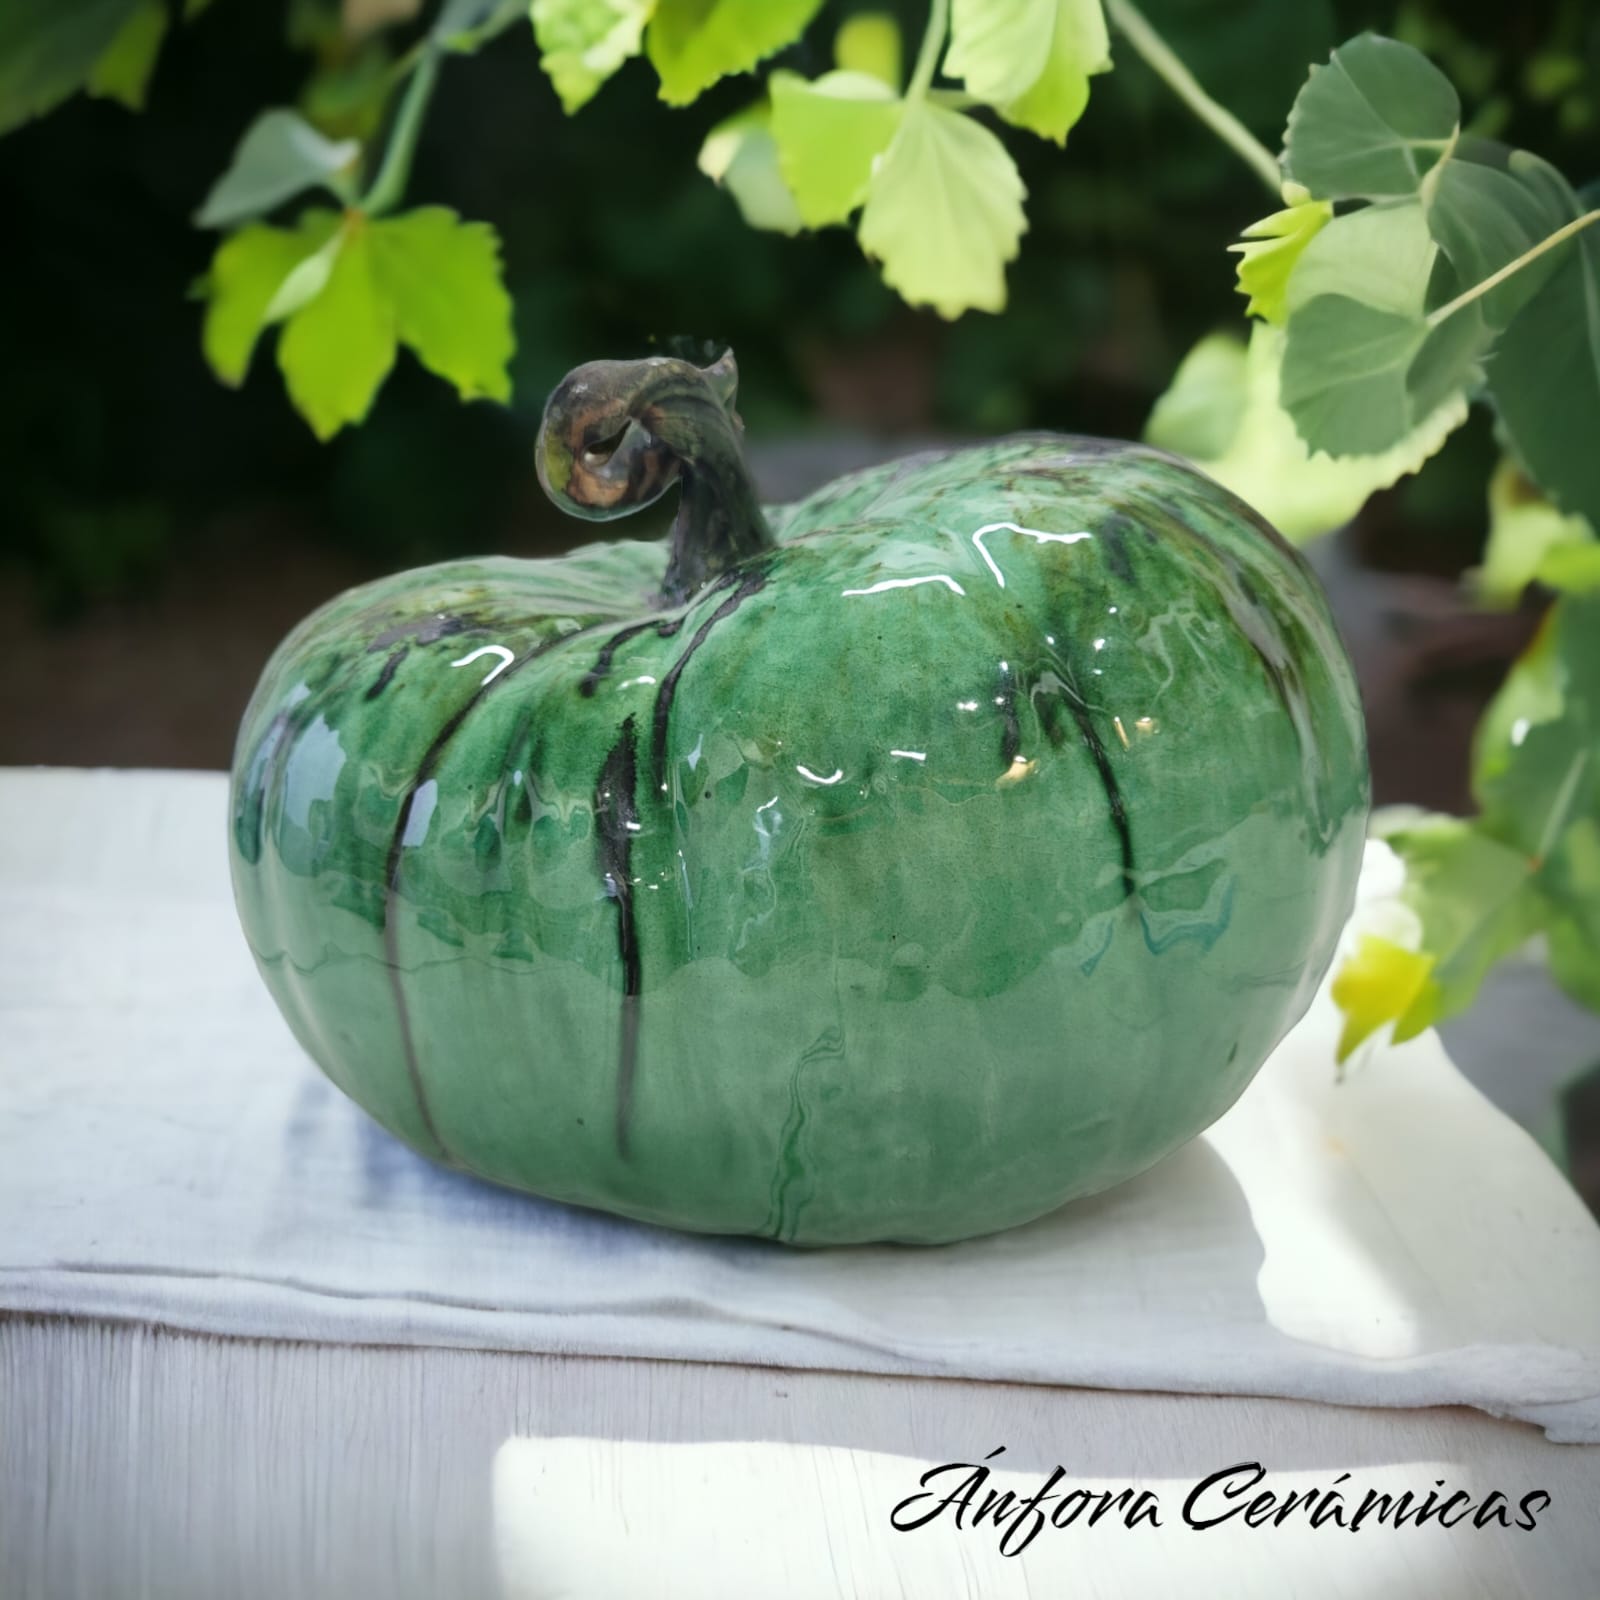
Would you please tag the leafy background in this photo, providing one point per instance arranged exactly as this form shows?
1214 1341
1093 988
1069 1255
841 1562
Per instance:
161 531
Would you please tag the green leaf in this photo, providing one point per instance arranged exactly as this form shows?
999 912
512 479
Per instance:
441 277
1572 881
1371 123
1544 379
1358 380
1223 412
1381 255
1571 568
1532 693
351 288
1344 374
280 155
1524 531
829 134
307 281
122 72
247 273
1270 251
1491 205
582 42
1475 899
693 43
336 351
48 48
741 155
1551 774
1205 406
944 212
1030 58
869 42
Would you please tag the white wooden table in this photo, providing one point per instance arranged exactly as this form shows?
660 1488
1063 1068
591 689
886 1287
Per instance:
135 1462
145 1460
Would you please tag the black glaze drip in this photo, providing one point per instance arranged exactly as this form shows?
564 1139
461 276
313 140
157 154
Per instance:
616 818
752 580
390 667
1111 537
665 628
1108 779
1088 734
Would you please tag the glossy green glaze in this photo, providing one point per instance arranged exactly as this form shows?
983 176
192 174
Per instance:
956 842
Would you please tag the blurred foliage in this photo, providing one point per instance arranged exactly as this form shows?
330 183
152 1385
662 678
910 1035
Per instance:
613 239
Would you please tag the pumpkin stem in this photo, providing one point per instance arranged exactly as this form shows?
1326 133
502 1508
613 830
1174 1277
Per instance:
617 434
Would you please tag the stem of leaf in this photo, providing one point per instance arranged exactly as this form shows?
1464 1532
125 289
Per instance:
1159 58
932 48
1495 279
389 185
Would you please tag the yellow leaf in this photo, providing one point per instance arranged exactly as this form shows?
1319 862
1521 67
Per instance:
248 273
1384 982
944 212
830 134
869 42
1030 58
1272 247
337 349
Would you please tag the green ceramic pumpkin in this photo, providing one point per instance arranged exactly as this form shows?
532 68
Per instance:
895 865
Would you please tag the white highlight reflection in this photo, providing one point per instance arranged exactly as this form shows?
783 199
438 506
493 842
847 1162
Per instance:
910 583
506 658
1011 527
806 772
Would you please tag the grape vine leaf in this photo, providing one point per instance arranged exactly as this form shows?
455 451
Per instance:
944 211
693 43
349 289
582 42
1270 250
247 273
1371 123
280 155
122 71
48 49
869 42
741 155
336 350
1222 411
830 133
442 276
1031 59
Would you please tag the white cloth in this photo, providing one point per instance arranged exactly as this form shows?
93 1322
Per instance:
168 1154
